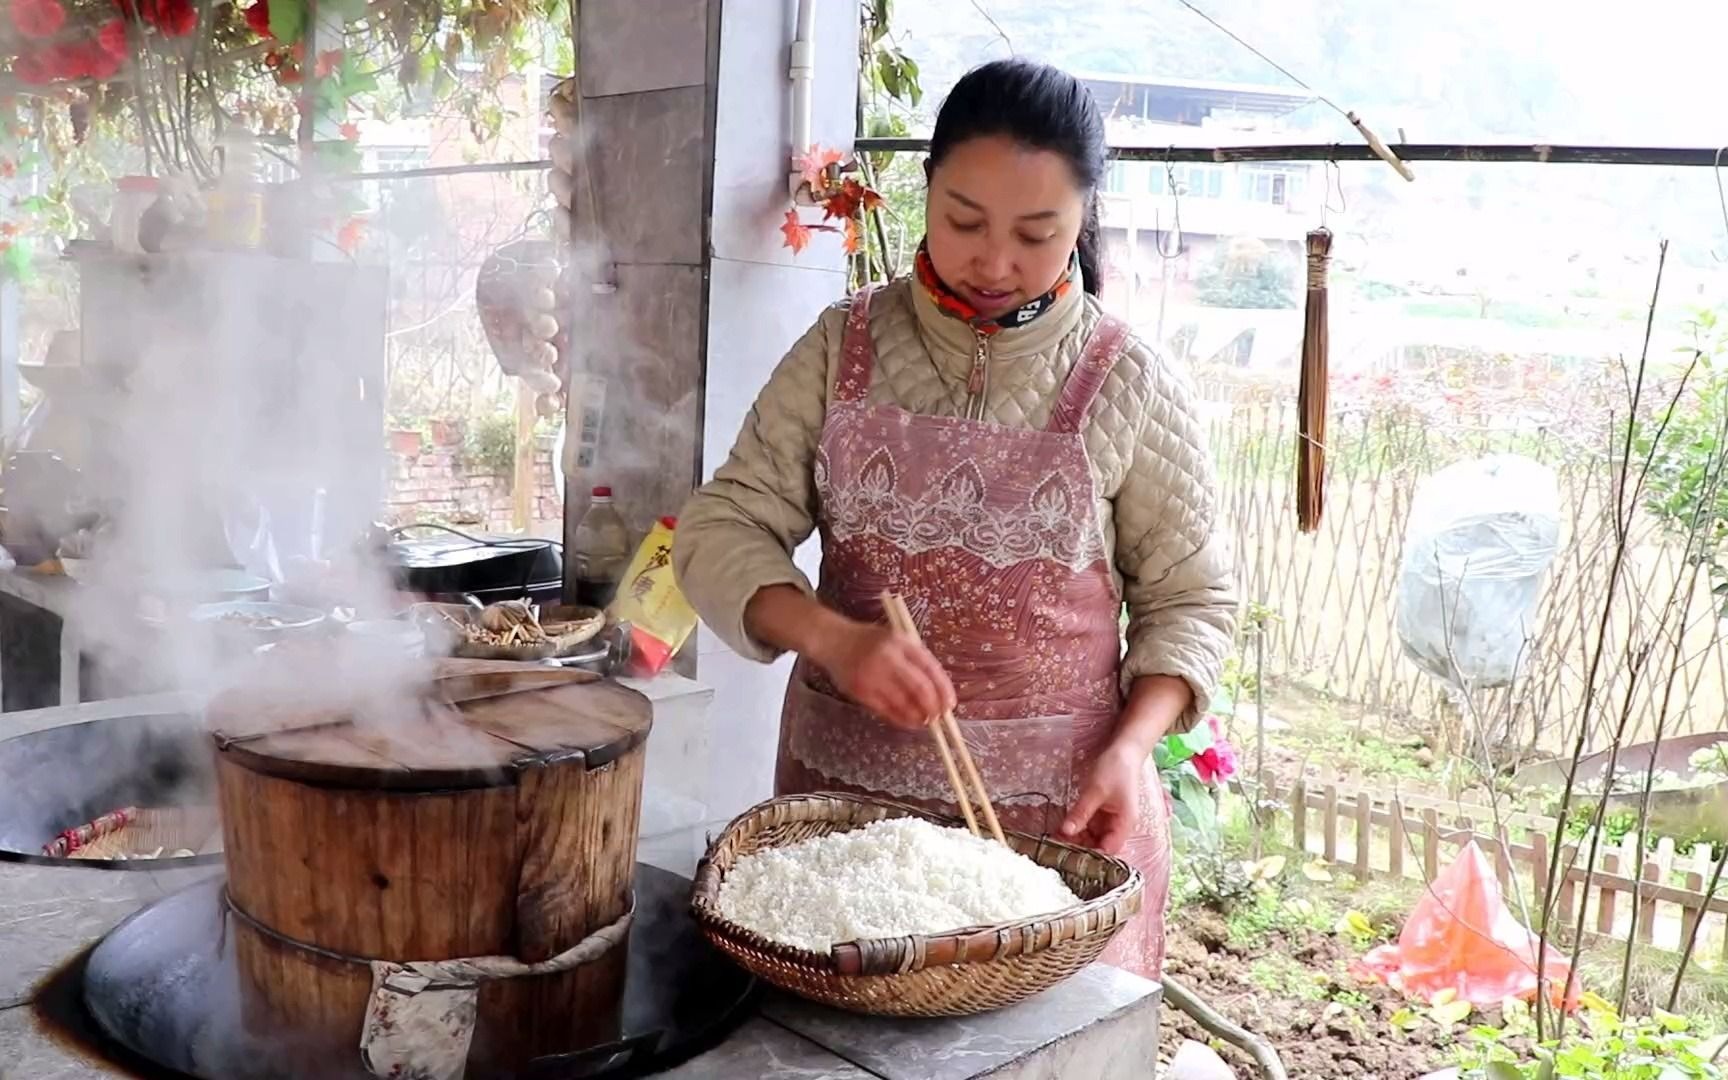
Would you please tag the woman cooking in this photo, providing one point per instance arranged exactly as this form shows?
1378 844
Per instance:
985 441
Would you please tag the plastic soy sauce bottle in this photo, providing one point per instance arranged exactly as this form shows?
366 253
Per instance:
602 551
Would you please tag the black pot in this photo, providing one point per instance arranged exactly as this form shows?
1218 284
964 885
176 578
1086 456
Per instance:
488 568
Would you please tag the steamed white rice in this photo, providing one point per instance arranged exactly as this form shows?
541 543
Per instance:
888 878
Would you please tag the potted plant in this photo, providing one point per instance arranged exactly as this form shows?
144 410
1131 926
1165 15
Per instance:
405 442
448 432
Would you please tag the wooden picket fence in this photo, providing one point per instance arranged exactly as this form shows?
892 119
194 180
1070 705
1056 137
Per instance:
1387 835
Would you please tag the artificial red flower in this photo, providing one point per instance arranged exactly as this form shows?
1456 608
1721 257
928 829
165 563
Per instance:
350 131
258 18
63 62
175 18
38 18
30 69
8 169
112 38
328 61
101 63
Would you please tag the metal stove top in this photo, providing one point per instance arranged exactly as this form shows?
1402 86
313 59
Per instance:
164 986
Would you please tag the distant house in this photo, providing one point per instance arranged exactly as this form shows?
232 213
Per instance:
1251 210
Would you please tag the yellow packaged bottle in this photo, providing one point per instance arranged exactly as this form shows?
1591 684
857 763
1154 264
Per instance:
649 600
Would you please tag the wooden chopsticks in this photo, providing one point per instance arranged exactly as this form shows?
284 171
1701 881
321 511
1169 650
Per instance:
943 730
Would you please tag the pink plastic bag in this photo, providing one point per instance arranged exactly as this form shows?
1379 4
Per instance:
1462 937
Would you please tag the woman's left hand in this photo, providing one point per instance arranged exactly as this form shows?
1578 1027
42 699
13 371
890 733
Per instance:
1108 809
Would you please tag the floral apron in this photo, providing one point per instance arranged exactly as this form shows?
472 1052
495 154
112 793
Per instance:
991 535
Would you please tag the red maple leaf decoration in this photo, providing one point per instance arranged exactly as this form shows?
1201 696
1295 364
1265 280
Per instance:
814 163
797 233
839 205
849 199
845 200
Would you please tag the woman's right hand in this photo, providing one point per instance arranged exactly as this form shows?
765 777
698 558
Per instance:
888 673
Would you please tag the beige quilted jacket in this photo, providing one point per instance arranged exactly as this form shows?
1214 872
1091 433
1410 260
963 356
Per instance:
1158 505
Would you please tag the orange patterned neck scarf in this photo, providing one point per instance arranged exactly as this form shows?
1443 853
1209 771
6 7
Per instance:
952 304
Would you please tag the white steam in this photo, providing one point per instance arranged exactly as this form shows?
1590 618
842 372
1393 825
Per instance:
242 430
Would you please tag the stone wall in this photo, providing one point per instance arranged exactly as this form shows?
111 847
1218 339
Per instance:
438 483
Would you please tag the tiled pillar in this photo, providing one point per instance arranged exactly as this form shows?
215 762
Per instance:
689 106
761 299
646 88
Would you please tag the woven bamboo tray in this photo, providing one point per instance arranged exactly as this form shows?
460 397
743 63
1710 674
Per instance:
958 973
133 833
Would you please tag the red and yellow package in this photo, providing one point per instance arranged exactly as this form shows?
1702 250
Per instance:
649 600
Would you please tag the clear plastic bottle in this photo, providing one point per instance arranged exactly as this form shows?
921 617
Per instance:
235 206
133 196
602 550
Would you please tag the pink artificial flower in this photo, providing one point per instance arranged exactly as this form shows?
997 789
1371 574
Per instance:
1217 763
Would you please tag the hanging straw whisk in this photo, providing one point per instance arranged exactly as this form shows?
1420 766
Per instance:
1311 391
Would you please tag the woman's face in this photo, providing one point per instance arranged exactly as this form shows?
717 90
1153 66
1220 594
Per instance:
1002 220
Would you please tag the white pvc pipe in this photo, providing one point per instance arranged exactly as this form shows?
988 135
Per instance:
802 72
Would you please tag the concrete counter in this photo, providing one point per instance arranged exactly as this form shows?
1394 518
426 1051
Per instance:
1101 1024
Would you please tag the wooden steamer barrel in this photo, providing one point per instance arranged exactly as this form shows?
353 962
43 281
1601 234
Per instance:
508 828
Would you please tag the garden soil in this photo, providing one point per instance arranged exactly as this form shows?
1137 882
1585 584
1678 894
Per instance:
1318 1039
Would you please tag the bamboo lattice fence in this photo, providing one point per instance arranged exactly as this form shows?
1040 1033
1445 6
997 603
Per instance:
1334 592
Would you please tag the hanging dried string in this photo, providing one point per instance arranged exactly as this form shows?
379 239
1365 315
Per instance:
1311 391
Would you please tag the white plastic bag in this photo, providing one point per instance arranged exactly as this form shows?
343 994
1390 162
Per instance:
1482 535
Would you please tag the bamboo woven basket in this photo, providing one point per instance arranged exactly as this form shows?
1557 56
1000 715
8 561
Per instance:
133 833
958 973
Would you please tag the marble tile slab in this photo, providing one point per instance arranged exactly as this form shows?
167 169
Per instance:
642 45
1123 1046
647 158
761 1050
50 913
640 350
1085 1018
30 1051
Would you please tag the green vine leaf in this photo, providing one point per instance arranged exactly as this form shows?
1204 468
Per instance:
287 20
